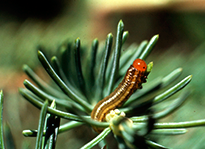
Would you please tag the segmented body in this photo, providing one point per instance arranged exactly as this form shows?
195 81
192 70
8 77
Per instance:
132 81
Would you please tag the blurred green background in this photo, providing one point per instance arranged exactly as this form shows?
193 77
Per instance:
25 26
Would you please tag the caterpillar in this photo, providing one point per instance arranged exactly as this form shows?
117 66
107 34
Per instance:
135 76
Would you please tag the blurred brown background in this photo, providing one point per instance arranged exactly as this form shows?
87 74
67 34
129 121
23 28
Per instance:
26 25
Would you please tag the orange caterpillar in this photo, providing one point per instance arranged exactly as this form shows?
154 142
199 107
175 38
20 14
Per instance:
135 76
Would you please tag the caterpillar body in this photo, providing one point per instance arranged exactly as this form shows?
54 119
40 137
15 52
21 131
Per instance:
135 76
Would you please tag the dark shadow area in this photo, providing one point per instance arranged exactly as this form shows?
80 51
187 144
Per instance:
39 9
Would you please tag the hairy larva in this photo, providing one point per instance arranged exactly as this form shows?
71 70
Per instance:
135 76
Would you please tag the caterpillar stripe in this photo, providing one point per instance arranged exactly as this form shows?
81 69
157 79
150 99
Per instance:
135 76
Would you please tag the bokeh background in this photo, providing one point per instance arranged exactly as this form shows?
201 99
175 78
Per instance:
26 25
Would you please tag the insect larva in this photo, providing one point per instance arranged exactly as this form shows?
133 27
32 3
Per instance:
135 76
